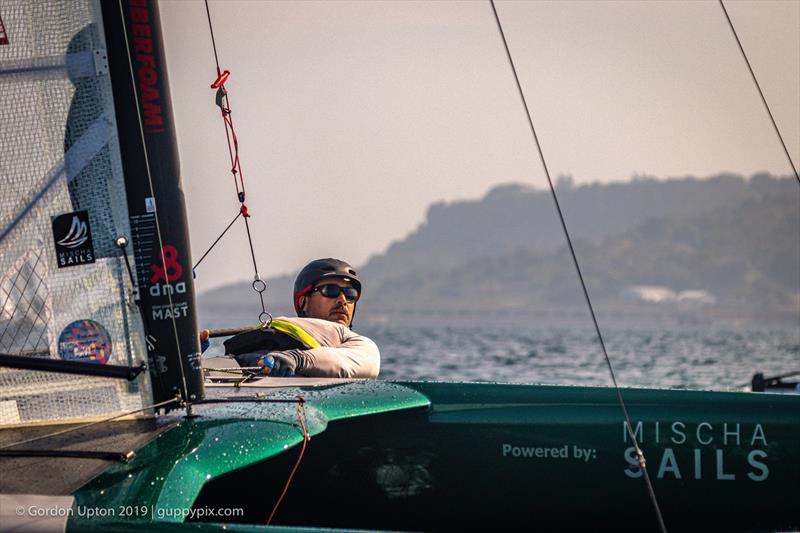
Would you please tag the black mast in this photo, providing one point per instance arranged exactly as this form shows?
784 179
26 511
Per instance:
159 233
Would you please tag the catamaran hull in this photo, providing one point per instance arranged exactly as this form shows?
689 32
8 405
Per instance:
447 456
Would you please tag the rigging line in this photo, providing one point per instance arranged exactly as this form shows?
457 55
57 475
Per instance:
216 241
90 424
223 102
621 402
760 92
258 284
222 96
252 251
300 413
150 183
213 42
233 150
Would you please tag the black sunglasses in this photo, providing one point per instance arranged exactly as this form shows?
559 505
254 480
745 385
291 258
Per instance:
333 291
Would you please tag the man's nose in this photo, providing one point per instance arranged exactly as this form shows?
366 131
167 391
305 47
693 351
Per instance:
342 297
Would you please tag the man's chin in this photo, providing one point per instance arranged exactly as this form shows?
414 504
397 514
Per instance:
340 318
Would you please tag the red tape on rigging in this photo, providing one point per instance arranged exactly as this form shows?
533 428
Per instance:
221 79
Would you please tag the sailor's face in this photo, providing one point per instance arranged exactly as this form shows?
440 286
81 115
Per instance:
336 309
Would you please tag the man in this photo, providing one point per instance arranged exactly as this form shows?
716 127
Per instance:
316 294
325 295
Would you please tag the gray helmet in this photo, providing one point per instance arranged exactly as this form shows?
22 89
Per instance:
320 269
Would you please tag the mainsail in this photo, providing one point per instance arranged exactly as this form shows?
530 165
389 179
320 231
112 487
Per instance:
94 260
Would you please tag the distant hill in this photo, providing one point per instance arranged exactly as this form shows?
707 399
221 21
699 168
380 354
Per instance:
516 216
722 247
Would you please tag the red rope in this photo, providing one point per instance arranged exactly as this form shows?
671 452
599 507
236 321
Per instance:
300 402
230 133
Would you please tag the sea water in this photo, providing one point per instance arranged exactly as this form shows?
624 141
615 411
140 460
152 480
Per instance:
716 358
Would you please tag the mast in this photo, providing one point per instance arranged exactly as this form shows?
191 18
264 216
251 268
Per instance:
159 236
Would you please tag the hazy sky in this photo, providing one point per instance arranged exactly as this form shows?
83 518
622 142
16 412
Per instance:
353 117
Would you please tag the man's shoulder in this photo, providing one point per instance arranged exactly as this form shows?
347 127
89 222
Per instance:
321 329
327 333
311 323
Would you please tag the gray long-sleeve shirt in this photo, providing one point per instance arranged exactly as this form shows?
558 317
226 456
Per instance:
342 352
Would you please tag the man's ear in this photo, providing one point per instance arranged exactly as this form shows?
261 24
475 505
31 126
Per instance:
303 303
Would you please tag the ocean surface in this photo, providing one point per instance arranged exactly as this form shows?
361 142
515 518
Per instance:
697 358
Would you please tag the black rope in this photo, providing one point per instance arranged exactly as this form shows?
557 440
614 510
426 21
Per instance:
215 242
258 284
252 250
639 453
760 92
213 41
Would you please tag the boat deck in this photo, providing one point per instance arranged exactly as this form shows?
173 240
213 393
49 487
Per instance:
63 475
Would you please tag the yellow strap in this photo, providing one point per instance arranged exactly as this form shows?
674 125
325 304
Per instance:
295 331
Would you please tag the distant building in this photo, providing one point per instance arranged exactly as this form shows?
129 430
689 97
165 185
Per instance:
662 294
696 297
649 293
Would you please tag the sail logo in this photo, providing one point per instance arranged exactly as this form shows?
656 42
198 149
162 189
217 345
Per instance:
72 235
78 234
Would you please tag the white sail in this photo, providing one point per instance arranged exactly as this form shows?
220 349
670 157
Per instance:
64 289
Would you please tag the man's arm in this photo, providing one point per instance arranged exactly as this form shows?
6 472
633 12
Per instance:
356 357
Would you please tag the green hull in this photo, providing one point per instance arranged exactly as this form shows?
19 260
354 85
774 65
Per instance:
433 456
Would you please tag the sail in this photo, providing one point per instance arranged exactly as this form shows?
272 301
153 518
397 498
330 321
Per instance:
68 236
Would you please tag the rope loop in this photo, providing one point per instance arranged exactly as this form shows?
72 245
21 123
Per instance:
259 285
